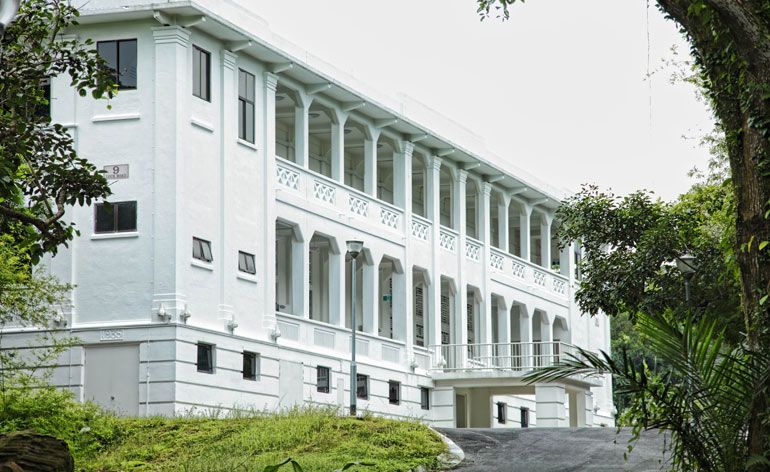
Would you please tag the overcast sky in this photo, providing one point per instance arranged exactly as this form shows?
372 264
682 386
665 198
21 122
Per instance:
559 89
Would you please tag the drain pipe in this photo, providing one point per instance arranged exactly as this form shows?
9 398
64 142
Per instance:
147 377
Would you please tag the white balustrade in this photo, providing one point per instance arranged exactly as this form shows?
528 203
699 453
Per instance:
519 270
448 240
325 193
389 218
540 277
559 286
358 206
496 261
420 228
473 250
287 177
490 357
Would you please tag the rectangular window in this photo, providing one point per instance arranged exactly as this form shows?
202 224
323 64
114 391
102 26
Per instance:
501 407
120 56
43 110
202 250
419 320
246 263
323 379
524 417
205 358
362 386
201 74
250 365
114 217
425 398
394 392
245 106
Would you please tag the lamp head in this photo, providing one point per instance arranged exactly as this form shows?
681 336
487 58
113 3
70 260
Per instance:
355 247
686 264
8 10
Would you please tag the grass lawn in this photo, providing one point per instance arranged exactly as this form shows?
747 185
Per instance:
318 440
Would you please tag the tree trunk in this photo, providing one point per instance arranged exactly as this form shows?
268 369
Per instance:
730 43
32 452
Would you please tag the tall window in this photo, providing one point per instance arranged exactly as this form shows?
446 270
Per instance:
501 407
425 398
362 386
120 56
524 417
201 74
115 217
205 358
250 365
419 317
245 106
394 392
323 377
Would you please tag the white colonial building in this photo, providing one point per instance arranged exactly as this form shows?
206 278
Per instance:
240 166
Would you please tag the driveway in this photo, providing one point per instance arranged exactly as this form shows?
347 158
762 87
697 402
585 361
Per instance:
557 449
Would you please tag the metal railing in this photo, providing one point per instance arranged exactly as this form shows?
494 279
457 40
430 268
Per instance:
499 356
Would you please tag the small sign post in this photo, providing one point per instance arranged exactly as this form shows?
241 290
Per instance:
116 171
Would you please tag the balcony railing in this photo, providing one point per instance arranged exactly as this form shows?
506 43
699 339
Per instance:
515 357
503 264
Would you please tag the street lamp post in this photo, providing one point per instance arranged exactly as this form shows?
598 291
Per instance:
354 249
687 266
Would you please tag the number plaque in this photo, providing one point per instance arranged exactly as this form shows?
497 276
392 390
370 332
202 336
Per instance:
116 171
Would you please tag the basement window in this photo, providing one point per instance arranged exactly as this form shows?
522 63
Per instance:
362 386
205 358
425 398
394 392
323 377
524 417
250 365
501 410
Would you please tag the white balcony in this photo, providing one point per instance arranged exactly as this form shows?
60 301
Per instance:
508 268
514 358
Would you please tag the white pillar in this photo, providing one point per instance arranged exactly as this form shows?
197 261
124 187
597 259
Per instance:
433 184
337 288
550 400
300 281
403 197
485 317
171 242
526 234
545 240
338 118
502 221
370 160
227 173
371 301
268 203
461 312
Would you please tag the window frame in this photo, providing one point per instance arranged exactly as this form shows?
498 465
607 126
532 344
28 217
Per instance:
200 52
394 400
243 110
365 378
211 357
501 412
115 216
116 74
254 375
248 256
319 388
424 398
202 257
524 417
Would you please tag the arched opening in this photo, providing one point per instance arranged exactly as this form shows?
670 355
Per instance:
355 167
535 234
386 319
288 268
360 262
471 208
446 312
519 336
318 276
420 314
515 211
385 151
419 170
541 337
560 335
285 116
495 200
320 140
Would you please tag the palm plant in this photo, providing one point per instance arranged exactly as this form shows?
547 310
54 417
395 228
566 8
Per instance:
703 396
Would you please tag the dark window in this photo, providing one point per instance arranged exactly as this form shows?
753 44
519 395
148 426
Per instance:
524 417
501 407
201 74
323 376
120 57
205 358
245 106
250 365
425 398
115 217
362 386
394 392
246 262
202 250
43 110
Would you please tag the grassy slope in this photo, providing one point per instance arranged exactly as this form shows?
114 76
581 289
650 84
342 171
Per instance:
318 440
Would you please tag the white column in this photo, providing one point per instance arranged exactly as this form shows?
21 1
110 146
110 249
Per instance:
268 203
525 329
302 128
526 234
371 301
502 221
461 312
370 160
227 173
171 242
403 197
545 240
337 288
339 118
550 400
299 277
433 184
485 317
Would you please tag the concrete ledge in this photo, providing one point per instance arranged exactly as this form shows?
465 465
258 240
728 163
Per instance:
451 458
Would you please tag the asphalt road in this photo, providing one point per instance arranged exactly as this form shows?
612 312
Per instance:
557 449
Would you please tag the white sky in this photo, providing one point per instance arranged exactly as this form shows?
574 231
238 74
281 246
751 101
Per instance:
559 89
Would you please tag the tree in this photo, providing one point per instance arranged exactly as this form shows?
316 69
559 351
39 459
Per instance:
730 41
40 172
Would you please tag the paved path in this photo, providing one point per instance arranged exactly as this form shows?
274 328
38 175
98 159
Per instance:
556 449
